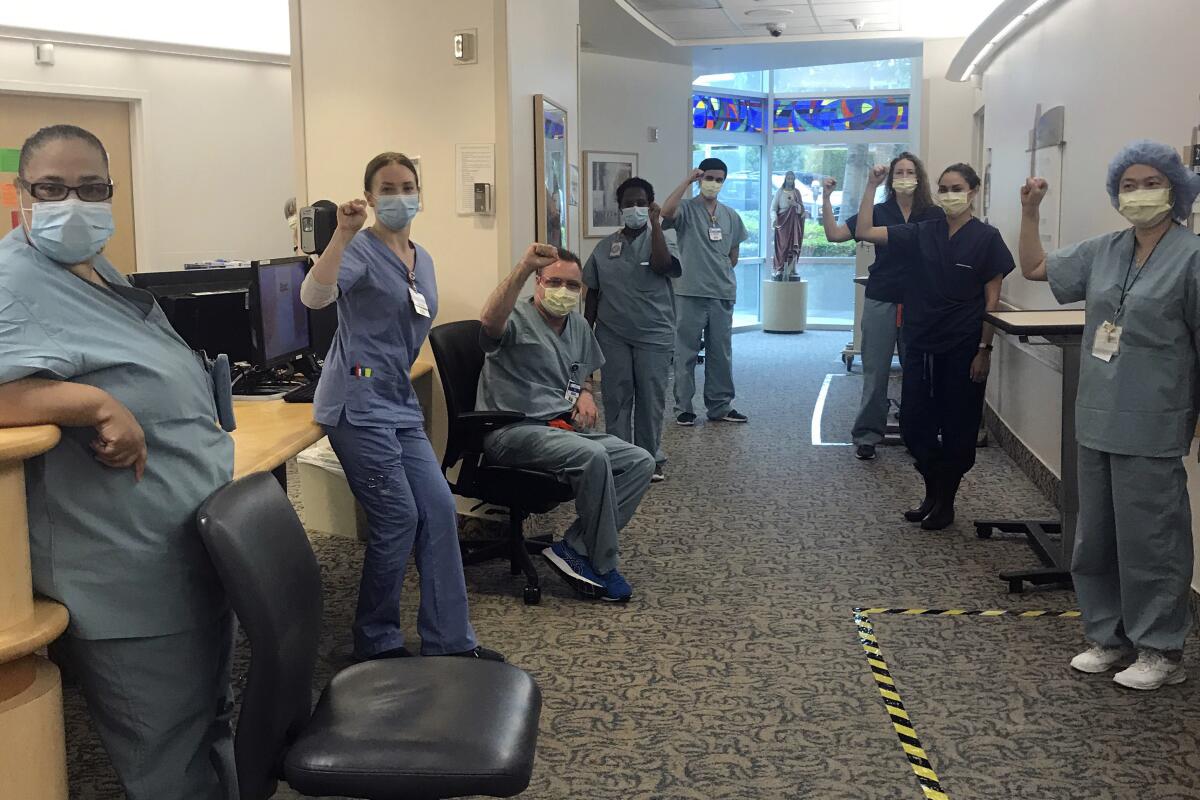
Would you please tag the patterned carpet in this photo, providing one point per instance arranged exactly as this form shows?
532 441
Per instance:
736 671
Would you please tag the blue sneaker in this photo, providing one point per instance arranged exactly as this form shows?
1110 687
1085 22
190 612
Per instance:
577 569
616 588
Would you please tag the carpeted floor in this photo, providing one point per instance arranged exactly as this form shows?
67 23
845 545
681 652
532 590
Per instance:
736 672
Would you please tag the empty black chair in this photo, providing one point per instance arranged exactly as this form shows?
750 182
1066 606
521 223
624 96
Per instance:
397 728
523 491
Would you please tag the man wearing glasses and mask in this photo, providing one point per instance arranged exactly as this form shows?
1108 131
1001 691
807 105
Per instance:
541 354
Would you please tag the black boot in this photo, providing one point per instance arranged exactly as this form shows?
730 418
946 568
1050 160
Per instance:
943 510
922 511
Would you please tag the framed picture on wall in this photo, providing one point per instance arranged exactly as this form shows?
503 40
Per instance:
574 197
551 179
603 172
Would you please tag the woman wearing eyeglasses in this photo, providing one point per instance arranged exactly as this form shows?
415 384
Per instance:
386 293
111 506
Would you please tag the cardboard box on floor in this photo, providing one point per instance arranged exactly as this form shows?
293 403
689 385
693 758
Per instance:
328 506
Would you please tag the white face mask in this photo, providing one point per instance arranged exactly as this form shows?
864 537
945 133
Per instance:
904 185
954 203
560 301
1145 208
635 217
70 231
710 188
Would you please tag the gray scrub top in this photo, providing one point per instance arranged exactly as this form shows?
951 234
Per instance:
637 304
1144 401
378 330
707 269
123 556
529 367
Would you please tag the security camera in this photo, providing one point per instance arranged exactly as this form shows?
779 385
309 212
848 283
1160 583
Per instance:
776 29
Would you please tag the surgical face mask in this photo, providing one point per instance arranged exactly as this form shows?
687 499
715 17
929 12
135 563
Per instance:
396 211
635 217
560 301
710 188
1145 208
904 185
953 203
70 231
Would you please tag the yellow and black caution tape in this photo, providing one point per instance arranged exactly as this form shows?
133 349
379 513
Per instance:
918 759
959 612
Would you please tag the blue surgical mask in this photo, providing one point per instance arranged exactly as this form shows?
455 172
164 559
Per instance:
396 211
70 231
635 217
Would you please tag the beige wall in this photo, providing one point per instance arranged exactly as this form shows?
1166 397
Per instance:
212 142
947 109
543 51
1067 59
622 97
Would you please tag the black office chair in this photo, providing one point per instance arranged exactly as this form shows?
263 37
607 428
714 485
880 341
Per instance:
395 728
523 491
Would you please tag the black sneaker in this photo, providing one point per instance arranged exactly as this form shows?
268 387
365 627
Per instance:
732 416
479 652
658 476
395 652
686 419
865 452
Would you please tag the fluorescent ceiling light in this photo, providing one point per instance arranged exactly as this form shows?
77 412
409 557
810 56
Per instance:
257 26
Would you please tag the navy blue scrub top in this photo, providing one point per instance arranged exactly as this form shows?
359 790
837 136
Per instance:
887 280
944 299
378 331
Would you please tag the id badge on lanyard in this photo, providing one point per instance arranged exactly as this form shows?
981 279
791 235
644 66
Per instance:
1107 342
615 250
574 388
420 304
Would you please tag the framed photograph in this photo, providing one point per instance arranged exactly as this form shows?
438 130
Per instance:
574 197
550 171
603 172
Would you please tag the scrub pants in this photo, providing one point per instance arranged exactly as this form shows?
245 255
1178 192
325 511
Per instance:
397 480
608 476
713 318
162 706
939 397
634 390
1132 564
880 335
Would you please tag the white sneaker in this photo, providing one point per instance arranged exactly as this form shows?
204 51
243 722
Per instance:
1099 659
1151 670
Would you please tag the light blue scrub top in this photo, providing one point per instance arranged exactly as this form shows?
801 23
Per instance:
1144 401
707 269
637 304
123 556
528 368
380 330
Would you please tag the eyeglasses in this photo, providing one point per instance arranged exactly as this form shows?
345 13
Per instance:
558 283
54 192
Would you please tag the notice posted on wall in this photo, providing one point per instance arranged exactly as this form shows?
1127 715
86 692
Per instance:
473 163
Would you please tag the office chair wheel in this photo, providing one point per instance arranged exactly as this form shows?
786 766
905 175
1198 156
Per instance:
533 595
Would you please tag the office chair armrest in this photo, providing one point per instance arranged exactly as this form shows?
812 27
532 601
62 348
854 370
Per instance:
478 424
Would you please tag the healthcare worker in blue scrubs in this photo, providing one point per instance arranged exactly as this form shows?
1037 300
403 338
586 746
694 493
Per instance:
631 304
386 293
953 268
1136 411
907 199
111 506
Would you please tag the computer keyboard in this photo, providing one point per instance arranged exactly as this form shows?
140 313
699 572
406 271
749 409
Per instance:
301 394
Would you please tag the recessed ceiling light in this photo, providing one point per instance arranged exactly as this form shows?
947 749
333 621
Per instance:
769 13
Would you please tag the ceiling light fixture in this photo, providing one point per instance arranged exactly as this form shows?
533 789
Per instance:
982 45
858 23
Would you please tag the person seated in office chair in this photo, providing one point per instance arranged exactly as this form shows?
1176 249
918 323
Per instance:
541 354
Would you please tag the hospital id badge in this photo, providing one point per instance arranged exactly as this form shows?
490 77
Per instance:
714 234
1108 341
573 392
418 301
615 250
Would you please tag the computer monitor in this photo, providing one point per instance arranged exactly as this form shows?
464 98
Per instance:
208 308
279 320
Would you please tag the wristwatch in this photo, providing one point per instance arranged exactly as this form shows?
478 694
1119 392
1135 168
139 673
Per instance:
986 347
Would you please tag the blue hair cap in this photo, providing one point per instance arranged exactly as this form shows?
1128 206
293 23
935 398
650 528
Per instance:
1164 158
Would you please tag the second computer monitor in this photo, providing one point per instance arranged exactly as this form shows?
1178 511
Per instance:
280 320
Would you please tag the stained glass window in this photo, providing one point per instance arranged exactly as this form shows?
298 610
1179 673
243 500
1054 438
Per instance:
842 114
717 113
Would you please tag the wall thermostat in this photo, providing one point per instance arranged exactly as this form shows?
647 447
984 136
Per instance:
464 47
483 198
